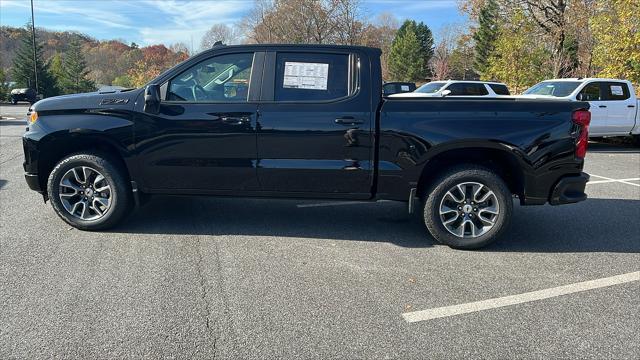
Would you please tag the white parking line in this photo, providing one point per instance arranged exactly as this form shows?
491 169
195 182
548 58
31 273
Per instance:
610 180
453 310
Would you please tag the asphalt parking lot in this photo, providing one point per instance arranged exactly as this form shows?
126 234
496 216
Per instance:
188 277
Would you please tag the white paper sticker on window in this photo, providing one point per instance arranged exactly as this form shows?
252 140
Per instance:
404 87
616 90
298 75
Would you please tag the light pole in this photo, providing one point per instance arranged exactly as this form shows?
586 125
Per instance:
33 39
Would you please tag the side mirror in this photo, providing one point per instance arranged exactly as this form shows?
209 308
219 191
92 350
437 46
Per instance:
152 99
581 97
445 93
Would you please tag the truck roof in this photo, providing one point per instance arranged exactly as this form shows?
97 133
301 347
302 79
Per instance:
254 47
584 79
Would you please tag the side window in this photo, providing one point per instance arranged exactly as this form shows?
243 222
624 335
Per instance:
616 91
591 92
313 77
467 89
500 89
223 78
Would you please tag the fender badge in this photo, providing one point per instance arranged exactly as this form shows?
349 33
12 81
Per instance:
114 101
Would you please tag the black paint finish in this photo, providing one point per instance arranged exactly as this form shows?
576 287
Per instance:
357 147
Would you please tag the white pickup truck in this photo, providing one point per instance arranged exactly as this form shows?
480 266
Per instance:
614 106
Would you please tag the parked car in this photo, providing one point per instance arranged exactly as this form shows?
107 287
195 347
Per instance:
459 88
613 103
391 88
29 95
312 124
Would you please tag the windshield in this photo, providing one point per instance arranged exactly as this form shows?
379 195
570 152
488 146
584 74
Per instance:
430 88
553 88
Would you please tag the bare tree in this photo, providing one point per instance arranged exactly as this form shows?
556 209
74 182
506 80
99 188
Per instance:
180 47
304 22
440 64
219 32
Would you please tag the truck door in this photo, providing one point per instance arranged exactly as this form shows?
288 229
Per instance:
315 125
620 106
592 92
204 137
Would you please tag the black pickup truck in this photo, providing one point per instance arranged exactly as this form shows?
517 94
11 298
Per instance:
300 121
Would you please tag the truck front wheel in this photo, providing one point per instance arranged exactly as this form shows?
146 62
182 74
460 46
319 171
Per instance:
89 191
468 207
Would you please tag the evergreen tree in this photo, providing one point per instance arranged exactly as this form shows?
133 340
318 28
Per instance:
4 88
406 59
74 71
56 65
22 69
424 51
486 36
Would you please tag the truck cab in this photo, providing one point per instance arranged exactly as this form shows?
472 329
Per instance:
613 102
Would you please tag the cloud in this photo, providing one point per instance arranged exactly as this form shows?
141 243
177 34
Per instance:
88 11
188 21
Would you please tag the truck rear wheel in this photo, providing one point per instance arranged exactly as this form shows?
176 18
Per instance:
89 191
468 207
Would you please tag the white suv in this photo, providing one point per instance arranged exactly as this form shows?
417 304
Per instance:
458 88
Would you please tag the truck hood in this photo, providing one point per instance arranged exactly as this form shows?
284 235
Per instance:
124 99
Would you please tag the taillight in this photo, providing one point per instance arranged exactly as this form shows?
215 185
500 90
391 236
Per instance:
582 118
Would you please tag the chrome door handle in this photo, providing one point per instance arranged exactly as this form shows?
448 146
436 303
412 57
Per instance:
347 120
235 120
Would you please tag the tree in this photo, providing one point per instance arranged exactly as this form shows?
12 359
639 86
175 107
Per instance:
406 60
616 28
380 34
461 61
75 73
518 60
414 67
218 32
304 22
4 88
56 64
23 69
486 35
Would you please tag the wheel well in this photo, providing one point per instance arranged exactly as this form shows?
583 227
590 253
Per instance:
503 163
59 148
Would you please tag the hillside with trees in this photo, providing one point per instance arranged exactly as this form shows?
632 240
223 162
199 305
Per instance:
519 42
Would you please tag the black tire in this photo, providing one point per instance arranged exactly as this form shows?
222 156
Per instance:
114 175
15 102
636 140
447 181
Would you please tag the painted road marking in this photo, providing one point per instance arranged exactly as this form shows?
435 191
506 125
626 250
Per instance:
610 181
453 310
606 179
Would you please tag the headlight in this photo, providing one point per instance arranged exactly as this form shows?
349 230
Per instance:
33 116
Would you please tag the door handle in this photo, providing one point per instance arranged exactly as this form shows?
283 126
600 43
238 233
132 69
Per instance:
235 120
348 120
602 106
631 106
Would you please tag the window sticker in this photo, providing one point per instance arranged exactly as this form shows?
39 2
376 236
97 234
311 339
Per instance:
299 75
404 87
616 90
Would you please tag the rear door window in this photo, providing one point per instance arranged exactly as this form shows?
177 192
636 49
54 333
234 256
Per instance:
313 77
500 89
616 91
467 89
591 92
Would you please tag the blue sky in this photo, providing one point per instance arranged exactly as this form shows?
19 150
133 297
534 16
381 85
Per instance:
149 22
